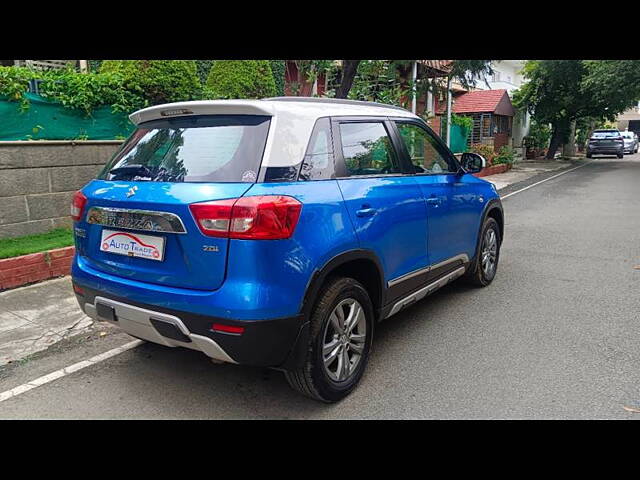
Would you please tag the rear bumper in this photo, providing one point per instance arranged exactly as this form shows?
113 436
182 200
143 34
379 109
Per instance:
605 150
265 343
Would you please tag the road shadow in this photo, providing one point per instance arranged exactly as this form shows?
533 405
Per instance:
181 383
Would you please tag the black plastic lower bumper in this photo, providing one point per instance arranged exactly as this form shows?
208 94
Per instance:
605 151
264 343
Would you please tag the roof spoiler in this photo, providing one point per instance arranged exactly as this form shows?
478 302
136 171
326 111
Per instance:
204 107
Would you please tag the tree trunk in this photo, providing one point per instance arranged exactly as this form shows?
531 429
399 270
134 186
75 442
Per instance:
556 141
558 137
349 70
569 148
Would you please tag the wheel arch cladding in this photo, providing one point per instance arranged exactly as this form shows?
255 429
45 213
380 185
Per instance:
360 265
496 213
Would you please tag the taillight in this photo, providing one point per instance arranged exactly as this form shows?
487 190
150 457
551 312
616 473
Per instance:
262 217
77 205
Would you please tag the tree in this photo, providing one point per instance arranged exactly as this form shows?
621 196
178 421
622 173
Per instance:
240 79
380 81
349 70
561 92
469 72
308 71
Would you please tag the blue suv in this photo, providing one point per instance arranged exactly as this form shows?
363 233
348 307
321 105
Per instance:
278 232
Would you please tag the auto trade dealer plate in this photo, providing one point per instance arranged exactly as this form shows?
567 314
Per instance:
132 244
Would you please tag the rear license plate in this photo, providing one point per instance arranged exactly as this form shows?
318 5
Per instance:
132 244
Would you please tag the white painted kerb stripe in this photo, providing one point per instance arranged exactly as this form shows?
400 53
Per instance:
14 392
545 180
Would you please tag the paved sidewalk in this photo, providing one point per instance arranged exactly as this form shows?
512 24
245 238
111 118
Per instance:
525 169
35 317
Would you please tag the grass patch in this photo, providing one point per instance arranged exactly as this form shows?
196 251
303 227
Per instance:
14 247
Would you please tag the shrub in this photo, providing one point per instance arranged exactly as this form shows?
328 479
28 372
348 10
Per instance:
86 91
203 67
14 82
462 121
158 81
485 150
505 155
539 135
278 68
240 79
82 91
94 65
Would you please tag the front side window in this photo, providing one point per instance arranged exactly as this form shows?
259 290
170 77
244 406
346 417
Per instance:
425 153
215 148
367 149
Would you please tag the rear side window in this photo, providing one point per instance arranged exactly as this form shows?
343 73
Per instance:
367 149
216 148
318 161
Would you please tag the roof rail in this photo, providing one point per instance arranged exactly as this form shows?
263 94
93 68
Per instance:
332 100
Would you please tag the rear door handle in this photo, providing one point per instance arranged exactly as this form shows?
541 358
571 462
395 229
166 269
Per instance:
366 212
434 201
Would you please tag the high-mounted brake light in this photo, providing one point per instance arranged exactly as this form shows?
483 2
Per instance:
77 205
261 217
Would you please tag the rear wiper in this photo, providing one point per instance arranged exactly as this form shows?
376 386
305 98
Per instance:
131 170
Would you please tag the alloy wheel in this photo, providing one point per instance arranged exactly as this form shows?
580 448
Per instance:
344 340
489 253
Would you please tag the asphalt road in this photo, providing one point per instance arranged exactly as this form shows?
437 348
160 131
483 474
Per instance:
555 336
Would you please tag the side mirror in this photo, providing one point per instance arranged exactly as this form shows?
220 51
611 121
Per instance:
472 162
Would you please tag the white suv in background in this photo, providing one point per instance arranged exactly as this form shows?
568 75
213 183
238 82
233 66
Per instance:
630 141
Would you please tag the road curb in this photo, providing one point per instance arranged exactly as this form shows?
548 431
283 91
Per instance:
35 267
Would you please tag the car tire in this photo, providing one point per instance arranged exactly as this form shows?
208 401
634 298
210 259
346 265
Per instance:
315 377
477 274
589 155
621 155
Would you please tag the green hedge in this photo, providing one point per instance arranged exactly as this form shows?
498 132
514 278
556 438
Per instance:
203 67
78 91
158 81
278 68
240 79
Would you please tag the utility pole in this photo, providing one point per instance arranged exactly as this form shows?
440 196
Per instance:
414 88
449 111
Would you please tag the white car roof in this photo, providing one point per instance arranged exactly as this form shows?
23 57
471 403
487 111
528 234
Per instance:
292 119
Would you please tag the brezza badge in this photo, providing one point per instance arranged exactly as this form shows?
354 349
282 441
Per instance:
132 245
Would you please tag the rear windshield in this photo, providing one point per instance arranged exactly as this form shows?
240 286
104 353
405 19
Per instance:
213 148
606 134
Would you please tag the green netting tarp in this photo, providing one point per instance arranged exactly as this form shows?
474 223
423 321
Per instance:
46 120
458 139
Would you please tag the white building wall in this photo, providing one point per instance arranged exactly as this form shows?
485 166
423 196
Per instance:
508 76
